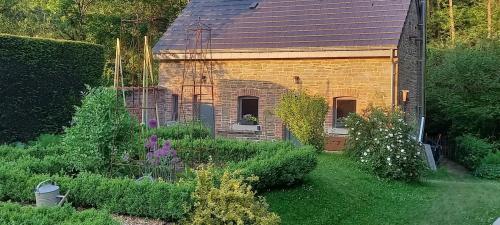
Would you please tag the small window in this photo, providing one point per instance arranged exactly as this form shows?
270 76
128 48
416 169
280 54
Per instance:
175 107
248 110
342 108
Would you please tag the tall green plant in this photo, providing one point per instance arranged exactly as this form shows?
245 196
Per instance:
304 115
100 125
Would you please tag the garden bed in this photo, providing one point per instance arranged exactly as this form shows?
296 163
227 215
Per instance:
275 163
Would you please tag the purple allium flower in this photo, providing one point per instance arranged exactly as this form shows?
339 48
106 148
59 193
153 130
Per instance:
152 123
153 139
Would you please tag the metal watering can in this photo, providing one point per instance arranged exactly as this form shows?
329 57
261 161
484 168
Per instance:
47 194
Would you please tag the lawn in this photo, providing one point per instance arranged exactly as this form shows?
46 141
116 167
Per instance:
338 192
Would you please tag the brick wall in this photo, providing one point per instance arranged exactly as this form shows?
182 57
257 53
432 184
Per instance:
409 65
366 79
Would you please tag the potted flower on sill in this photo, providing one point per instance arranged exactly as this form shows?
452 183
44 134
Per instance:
249 119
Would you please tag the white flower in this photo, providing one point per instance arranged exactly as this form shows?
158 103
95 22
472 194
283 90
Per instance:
404 158
365 154
388 159
418 153
390 135
388 147
357 139
375 139
397 156
390 164
367 150
359 133
402 150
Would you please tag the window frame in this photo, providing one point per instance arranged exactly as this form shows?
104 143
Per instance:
335 104
240 105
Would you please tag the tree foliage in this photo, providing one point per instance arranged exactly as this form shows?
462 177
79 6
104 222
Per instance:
95 21
463 90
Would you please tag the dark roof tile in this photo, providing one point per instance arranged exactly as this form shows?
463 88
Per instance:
291 23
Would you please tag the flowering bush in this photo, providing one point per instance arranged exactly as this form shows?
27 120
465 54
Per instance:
384 143
161 162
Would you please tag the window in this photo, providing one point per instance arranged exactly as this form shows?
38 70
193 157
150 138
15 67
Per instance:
175 107
248 110
342 108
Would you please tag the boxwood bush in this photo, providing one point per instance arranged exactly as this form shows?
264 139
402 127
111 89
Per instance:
11 213
275 163
118 195
41 80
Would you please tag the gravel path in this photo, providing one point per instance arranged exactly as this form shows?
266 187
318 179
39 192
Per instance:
130 220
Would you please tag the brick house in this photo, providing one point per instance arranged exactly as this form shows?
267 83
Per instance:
354 53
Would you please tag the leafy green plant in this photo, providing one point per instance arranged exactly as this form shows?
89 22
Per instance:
101 125
471 150
385 144
177 131
304 115
11 213
228 201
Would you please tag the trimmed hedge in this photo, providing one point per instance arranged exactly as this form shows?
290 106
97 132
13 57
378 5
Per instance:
221 151
41 80
282 168
179 131
275 163
125 196
11 213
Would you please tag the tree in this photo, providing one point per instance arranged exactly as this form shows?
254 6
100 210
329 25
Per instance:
452 21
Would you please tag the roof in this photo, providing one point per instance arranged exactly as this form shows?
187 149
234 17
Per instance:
279 24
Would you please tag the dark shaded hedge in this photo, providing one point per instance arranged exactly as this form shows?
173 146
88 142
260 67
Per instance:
40 82
11 213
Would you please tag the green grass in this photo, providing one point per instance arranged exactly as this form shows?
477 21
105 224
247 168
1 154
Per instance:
338 192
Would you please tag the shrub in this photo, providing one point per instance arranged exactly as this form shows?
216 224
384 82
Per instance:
230 201
119 195
472 150
41 80
283 167
490 167
221 151
180 131
11 213
304 115
101 125
385 144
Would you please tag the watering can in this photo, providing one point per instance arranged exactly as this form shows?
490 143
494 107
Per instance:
47 194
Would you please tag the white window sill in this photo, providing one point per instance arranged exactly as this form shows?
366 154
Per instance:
248 128
338 131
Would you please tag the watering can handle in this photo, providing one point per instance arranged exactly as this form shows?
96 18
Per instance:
40 184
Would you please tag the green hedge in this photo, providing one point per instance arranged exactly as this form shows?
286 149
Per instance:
471 150
179 131
11 213
221 151
41 80
281 168
275 163
125 196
